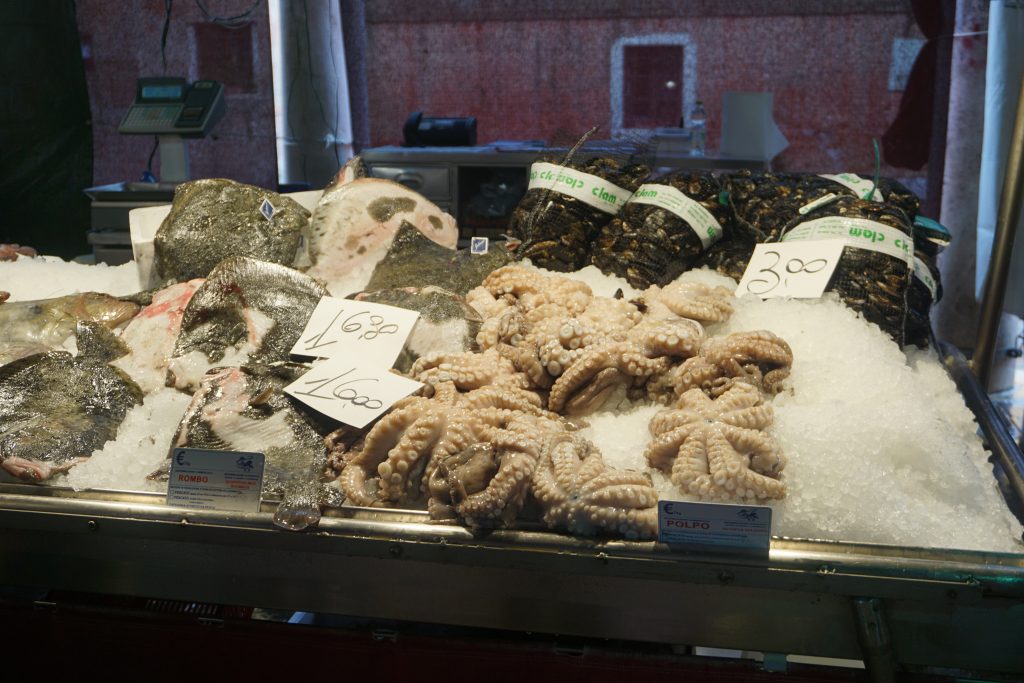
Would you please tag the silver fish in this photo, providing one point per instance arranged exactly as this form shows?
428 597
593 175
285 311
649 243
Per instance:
29 327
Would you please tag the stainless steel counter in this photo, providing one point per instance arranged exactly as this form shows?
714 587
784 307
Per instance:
910 606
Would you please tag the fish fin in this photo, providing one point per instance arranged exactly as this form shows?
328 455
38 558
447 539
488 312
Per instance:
97 342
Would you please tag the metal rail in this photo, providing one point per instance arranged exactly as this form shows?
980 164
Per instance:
1002 248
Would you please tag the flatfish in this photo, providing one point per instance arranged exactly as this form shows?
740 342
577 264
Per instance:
354 222
29 327
413 260
212 219
245 409
56 408
151 335
247 310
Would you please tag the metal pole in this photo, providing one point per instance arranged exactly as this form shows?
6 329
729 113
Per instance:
1002 248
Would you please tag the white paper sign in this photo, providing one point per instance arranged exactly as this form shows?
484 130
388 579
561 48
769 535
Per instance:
371 334
715 526
350 391
589 189
215 480
800 269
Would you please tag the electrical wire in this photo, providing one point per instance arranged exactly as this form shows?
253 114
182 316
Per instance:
237 21
163 35
312 80
152 153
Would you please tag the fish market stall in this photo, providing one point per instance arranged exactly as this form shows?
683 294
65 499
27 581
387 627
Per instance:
552 398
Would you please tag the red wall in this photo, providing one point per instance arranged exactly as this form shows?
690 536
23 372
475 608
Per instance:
122 42
538 78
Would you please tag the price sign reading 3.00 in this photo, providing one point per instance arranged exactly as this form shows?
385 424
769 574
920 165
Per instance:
800 270
375 333
350 393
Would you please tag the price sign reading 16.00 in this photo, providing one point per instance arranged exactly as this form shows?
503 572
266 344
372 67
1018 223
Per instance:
800 270
375 333
352 394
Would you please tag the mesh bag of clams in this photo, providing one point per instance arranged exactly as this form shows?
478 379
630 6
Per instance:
764 203
569 199
662 229
875 269
925 286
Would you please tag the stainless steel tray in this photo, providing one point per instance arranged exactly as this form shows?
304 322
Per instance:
887 605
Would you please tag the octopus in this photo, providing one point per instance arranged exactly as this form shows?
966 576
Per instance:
467 370
533 289
646 351
716 449
759 358
589 382
393 462
580 494
484 469
693 300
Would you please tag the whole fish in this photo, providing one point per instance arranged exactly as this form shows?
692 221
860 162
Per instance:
151 335
56 408
213 218
354 223
247 310
29 327
413 260
245 409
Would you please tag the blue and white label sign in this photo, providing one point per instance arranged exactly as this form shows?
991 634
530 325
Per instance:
720 527
479 245
267 209
215 480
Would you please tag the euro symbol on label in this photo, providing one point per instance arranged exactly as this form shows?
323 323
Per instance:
181 459
668 508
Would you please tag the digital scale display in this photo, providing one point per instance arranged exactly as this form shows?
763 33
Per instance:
162 92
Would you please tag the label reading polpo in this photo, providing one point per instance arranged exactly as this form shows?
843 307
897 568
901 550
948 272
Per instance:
700 220
863 188
589 189
715 527
857 232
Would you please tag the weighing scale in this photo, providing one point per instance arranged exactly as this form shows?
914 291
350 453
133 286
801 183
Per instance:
173 110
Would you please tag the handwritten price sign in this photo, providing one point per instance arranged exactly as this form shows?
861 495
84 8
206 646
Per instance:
372 333
795 269
342 389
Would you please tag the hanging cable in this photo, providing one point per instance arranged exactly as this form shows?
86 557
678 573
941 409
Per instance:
236 21
163 36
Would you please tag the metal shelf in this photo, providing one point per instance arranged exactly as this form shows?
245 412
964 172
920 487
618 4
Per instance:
911 606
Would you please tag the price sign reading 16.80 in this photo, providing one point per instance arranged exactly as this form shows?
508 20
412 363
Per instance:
795 269
342 327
